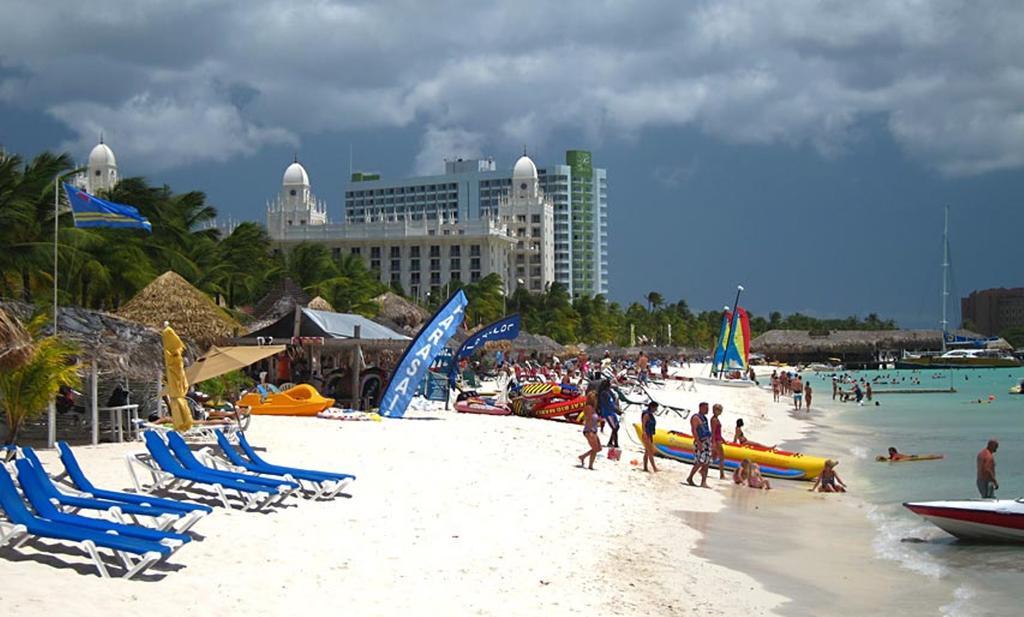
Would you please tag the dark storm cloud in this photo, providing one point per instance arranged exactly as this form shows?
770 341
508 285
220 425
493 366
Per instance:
947 76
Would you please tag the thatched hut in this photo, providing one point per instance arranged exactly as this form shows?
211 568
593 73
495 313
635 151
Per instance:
190 312
122 353
319 304
15 343
280 301
852 347
400 314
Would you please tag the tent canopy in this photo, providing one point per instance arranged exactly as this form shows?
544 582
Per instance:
329 326
220 360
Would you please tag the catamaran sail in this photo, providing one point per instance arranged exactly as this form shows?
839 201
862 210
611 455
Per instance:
732 350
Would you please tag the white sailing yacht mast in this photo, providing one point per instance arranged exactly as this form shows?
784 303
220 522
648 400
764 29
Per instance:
945 277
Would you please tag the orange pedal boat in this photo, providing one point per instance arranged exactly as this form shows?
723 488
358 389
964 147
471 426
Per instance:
301 400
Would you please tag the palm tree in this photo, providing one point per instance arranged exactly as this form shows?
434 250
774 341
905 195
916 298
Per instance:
26 390
654 300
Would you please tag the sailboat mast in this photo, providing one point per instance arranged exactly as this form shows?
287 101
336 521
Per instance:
945 277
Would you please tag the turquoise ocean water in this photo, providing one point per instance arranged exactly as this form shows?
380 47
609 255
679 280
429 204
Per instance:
988 579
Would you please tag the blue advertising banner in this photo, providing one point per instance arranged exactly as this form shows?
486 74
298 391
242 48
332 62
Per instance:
420 354
504 329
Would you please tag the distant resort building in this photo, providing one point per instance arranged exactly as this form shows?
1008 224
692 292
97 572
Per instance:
473 189
992 311
532 227
100 172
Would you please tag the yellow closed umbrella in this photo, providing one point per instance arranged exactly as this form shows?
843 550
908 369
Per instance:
177 384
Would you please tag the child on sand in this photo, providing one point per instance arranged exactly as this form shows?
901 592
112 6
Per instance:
742 473
829 480
590 418
756 480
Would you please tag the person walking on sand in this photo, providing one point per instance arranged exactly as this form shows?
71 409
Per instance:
776 386
717 441
986 460
590 418
649 423
798 393
701 446
608 409
808 391
642 364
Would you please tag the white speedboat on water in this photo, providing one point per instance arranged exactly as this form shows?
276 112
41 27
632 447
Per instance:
992 520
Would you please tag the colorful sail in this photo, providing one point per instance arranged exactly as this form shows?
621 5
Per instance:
733 347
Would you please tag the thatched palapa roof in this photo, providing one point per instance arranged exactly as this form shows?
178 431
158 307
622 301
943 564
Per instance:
400 314
190 312
15 343
118 346
319 304
280 301
838 342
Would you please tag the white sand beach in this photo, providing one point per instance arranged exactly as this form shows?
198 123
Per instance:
451 514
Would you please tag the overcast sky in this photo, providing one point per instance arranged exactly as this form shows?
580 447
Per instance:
803 148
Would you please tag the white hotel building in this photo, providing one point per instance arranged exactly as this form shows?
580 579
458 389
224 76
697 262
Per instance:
532 227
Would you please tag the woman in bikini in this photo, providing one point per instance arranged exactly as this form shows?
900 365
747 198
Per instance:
590 419
740 438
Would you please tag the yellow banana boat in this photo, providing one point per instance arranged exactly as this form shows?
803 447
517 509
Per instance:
774 463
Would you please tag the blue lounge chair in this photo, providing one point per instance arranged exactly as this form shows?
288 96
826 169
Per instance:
189 460
32 487
77 477
167 473
27 525
164 518
322 484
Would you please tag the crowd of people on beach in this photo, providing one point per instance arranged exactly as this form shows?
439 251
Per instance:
786 384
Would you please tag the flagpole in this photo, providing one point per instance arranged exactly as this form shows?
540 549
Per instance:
56 220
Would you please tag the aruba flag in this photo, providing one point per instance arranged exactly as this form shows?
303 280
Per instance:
91 211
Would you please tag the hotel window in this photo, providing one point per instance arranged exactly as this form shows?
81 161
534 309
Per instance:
520 218
375 264
520 258
474 250
456 263
414 251
456 276
396 277
415 291
536 232
435 250
455 251
474 276
374 252
396 265
415 278
435 278
396 252
535 218
335 252
414 265
474 263
356 250
435 264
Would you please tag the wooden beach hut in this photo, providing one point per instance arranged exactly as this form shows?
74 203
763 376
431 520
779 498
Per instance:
113 352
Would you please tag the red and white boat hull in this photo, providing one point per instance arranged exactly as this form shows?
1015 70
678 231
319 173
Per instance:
992 520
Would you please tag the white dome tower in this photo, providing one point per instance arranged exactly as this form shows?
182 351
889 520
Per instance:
101 172
524 178
295 206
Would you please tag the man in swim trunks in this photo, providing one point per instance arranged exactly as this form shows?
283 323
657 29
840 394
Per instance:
701 431
987 484
798 393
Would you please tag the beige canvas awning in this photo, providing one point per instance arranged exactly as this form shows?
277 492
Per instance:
220 360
